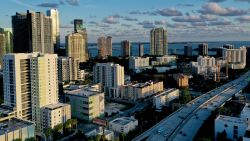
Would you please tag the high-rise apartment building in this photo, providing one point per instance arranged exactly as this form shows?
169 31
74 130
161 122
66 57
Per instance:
111 76
54 15
125 48
32 33
109 45
158 42
8 39
74 46
2 48
31 83
188 50
141 49
203 49
79 28
102 47
17 84
68 69
236 58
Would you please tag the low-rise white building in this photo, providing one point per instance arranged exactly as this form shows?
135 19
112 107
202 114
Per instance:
205 65
55 114
109 135
163 98
235 127
136 63
123 124
164 60
135 91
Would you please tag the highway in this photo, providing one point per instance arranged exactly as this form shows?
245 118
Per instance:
184 123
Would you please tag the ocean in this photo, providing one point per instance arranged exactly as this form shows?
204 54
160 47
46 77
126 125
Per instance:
173 48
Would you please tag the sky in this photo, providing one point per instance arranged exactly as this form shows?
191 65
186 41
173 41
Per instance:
185 20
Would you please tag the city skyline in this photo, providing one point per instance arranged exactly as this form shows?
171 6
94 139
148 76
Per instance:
203 20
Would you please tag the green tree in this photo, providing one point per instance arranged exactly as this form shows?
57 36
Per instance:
17 139
59 128
74 123
48 133
122 137
30 139
185 97
67 125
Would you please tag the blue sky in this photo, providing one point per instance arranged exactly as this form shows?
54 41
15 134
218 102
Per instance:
185 20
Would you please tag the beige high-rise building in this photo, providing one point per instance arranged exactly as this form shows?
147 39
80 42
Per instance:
2 49
54 15
79 28
31 84
102 47
8 39
74 46
159 42
44 85
68 69
109 45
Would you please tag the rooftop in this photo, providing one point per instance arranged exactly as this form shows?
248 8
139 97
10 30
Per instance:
55 106
13 124
229 119
123 120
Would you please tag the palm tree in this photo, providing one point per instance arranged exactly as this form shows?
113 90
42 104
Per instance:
48 133
59 128
74 123
67 125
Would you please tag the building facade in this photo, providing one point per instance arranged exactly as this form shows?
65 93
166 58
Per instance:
86 103
16 129
136 91
8 39
188 50
123 124
138 62
236 58
54 15
2 49
181 80
158 42
203 49
111 76
68 69
55 114
109 46
141 49
74 47
102 47
125 48
164 60
32 33
164 98
79 28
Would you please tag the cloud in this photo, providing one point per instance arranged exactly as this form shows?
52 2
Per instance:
215 9
137 12
117 16
217 0
129 18
147 24
177 25
126 25
243 1
168 12
49 5
93 22
110 20
194 18
220 23
243 19
185 5
199 24
73 2
160 22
